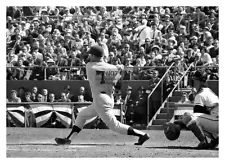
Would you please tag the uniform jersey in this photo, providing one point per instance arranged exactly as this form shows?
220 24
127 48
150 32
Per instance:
208 99
102 77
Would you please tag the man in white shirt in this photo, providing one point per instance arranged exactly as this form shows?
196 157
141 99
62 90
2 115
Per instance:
142 32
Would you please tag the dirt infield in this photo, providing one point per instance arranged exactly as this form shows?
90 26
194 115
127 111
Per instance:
39 142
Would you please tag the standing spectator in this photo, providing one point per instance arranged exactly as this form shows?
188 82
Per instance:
14 97
128 102
155 99
155 32
140 106
142 32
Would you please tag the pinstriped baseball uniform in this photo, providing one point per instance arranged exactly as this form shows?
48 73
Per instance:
102 78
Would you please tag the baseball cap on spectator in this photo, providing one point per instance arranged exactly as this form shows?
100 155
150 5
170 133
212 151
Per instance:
23 22
50 61
173 40
167 16
194 38
35 19
182 27
156 47
13 91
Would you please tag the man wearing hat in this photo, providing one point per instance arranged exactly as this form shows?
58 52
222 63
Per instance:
103 79
204 120
142 32
140 106
154 31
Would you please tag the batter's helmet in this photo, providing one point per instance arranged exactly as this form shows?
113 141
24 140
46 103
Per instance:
97 51
171 131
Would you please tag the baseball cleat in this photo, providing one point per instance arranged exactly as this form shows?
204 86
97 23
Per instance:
214 143
203 146
62 141
142 139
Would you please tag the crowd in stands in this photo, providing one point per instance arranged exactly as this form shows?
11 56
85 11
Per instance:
51 43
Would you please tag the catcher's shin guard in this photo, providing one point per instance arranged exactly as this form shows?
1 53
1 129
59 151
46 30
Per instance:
197 130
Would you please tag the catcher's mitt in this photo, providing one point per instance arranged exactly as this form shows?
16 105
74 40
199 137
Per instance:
171 131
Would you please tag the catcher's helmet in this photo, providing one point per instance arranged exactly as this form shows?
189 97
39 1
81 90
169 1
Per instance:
171 131
200 75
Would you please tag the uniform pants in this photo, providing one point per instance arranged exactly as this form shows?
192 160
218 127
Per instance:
209 124
102 106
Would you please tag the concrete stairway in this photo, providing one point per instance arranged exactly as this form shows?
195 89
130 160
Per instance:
166 113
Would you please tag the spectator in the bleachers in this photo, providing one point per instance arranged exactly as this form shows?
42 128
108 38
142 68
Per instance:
44 93
69 94
19 71
142 32
140 106
28 97
34 94
13 96
21 93
214 51
192 94
51 97
155 99
205 57
184 99
83 96
52 72
40 98
118 98
64 98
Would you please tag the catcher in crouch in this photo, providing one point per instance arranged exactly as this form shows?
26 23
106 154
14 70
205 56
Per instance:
204 121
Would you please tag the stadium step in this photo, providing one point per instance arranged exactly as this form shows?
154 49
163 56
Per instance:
164 116
164 110
159 122
155 127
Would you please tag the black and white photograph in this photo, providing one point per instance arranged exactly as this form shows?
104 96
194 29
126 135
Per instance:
112 81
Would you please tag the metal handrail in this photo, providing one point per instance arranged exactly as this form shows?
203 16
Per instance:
155 89
169 95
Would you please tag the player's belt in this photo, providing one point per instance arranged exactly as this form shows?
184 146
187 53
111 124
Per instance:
103 92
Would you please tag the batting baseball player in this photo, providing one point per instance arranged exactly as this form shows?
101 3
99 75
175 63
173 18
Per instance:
103 79
205 119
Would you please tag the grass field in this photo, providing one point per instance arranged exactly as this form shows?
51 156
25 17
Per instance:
39 142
